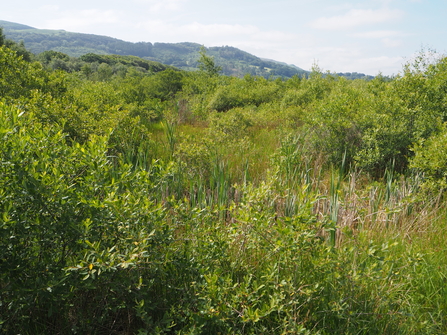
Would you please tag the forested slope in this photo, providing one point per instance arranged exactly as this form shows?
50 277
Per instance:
181 55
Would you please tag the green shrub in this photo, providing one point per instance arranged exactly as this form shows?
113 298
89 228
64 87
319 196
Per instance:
19 79
228 127
430 158
243 92
337 121
80 233
195 157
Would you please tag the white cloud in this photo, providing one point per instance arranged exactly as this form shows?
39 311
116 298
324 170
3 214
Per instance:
215 34
356 17
81 19
377 34
389 38
392 43
218 30
160 5
49 8
340 59
385 64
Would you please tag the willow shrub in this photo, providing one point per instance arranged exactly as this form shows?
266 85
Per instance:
81 235
430 158
18 78
375 124
337 120
264 273
244 92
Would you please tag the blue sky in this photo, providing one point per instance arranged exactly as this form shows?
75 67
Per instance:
368 36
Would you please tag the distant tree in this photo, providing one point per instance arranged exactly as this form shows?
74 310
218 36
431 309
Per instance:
164 85
20 79
19 48
207 64
91 58
104 72
59 64
47 56
87 70
2 37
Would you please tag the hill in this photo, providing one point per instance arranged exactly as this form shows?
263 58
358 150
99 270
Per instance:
181 55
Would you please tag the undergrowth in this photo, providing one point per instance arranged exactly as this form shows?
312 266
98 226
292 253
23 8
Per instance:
162 209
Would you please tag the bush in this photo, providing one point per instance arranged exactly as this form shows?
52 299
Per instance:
83 233
430 158
19 79
248 91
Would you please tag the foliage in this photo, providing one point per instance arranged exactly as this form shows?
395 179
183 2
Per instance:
207 65
18 47
136 201
430 159
19 78
64 222
228 127
238 93
125 60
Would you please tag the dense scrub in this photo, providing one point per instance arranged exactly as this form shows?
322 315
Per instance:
165 202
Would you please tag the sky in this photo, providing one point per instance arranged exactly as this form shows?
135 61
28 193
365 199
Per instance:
369 36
